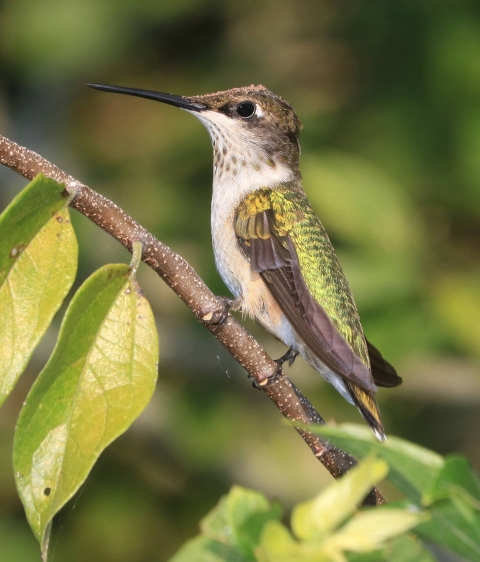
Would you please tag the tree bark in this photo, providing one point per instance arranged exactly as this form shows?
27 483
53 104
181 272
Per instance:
208 309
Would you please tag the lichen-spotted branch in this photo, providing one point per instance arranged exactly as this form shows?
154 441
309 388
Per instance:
208 309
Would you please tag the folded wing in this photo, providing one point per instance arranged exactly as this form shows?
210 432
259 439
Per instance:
266 239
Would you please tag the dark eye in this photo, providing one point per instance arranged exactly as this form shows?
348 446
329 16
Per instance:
246 109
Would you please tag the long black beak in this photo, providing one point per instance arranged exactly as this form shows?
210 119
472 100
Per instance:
177 101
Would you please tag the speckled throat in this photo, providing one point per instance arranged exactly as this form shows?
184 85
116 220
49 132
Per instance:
240 167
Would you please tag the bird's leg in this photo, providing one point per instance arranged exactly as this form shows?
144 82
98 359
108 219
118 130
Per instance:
290 356
232 304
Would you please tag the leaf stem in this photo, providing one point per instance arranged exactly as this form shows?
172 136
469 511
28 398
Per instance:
137 249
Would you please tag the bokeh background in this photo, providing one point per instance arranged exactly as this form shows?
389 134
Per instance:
389 94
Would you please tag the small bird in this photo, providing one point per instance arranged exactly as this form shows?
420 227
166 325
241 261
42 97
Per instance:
270 247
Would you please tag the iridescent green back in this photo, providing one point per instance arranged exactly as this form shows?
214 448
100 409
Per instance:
319 264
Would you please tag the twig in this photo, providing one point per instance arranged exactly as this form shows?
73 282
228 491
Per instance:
208 309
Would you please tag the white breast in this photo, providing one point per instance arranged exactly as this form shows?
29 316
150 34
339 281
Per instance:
240 168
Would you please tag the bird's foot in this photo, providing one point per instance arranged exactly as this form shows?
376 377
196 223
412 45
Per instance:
290 356
232 304
219 314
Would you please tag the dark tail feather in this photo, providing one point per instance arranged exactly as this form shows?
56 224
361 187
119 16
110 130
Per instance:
383 373
366 403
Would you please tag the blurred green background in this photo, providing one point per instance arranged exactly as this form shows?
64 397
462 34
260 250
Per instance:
389 94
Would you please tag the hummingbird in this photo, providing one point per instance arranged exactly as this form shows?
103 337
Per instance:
271 249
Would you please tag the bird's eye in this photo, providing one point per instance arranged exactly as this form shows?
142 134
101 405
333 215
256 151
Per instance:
245 109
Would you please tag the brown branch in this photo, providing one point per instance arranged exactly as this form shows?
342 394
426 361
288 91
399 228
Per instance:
208 309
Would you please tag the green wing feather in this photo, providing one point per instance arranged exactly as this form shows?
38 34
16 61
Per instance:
294 216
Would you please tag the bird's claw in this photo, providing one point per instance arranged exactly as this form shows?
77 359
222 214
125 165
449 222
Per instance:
290 356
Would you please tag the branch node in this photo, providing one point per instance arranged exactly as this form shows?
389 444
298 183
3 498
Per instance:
214 314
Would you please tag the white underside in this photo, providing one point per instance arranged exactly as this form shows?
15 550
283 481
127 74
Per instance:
249 171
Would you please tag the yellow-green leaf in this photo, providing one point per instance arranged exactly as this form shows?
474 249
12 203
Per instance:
38 262
203 549
248 511
316 518
239 518
278 545
370 529
100 377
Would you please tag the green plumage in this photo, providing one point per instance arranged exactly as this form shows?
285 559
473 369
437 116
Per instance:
321 271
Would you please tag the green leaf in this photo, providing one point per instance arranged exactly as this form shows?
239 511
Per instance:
215 525
374 556
370 529
318 517
413 469
454 500
239 518
405 548
248 512
455 478
453 503
231 531
99 378
38 262
203 549
278 545
450 529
